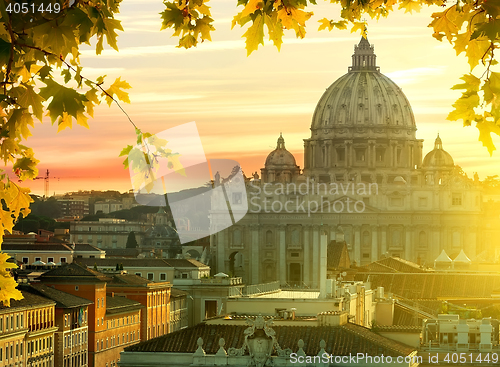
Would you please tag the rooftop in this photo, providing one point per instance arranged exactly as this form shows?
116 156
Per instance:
340 340
116 305
30 300
62 299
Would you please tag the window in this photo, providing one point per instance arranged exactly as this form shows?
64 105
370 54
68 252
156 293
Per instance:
98 301
25 260
80 237
163 276
50 259
1 323
456 199
380 154
341 154
97 321
366 256
77 288
184 275
22 320
138 274
38 259
63 260
150 276
294 254
360 155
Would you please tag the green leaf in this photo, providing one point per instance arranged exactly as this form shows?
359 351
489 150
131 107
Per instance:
4 51
187 41
64 100
31 98
172 17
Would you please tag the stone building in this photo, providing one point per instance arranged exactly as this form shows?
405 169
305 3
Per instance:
71 320
27 332
366 179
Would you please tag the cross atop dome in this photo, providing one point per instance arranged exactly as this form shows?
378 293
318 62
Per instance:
364 57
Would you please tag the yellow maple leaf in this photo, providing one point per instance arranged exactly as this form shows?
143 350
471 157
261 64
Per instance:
359 26
64 122
254 34
115 89
251 7
410 6
442 24
475 50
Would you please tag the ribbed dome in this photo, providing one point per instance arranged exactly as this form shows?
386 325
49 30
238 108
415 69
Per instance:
364 98
280 157
438 157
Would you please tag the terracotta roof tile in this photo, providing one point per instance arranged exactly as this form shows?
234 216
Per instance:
29 300
340 340
61 298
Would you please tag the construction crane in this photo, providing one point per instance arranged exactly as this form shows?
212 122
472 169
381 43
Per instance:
46 183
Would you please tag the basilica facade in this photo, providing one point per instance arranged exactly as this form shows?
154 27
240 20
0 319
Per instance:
365 181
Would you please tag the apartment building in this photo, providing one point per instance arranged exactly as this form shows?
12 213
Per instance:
154 296
107 232
27 330
71 320
45 248
114 322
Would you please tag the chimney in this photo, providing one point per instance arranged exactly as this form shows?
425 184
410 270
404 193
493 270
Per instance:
322 266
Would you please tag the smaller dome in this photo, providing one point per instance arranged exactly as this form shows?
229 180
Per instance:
280 157
438 157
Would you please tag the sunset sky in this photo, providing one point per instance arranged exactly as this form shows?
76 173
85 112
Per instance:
240 103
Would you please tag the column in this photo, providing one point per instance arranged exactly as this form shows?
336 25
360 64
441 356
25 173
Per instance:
313 154
357 244
306 155
408 245
255 261
281 229
221 249
307 250
375 253
315 255
384 240
419 153
371 153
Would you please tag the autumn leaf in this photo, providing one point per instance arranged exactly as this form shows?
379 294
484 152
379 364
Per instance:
255 34
115 89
